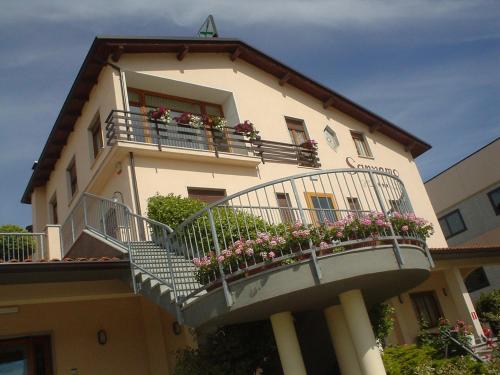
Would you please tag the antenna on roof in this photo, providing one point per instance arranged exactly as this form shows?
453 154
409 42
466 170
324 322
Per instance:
208 29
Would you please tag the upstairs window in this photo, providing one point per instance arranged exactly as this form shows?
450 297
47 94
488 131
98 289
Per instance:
361 145
53 210
452 224
495 200
96 135
72 178
427 307
297 131
476 280
206 195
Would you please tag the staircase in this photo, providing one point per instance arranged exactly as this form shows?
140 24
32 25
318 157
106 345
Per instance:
158 271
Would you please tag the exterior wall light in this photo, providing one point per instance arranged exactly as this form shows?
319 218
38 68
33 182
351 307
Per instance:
445 292
176 328
102 337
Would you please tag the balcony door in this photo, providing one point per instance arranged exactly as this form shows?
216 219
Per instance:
176 134
26 356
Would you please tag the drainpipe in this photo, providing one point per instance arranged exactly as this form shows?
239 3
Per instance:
134 184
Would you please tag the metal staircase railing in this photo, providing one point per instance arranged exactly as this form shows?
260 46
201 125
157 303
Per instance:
168 256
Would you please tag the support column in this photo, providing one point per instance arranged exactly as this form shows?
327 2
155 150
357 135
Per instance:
342 342
463 302
361 330
288 344
53 248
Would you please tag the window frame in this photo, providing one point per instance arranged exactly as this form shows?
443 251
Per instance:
496 210
448 226
194 196
431 293
313 211
54 217
299 123
72 192
95 132
364 140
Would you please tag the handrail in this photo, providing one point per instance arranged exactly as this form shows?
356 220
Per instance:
138 127
464 347
22 246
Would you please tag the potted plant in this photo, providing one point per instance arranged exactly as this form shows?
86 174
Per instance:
246 129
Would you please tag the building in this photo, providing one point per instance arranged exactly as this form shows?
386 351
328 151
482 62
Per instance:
130 291
466 198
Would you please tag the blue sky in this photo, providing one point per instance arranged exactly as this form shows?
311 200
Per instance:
432 67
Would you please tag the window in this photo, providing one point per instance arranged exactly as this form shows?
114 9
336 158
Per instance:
427 307
96 134
361 145
26 355
206 195
354 205
285 206
297 131
452 224
72 179
321 207
53 210
495 200
476 280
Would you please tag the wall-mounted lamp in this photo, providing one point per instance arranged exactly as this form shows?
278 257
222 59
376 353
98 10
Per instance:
176 328
445 292
118 168
102 337
9 310
118 196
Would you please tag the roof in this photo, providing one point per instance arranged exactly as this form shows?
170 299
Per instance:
463 159
465 252
105 47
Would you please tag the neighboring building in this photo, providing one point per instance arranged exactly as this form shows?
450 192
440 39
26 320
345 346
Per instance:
466 198
107 154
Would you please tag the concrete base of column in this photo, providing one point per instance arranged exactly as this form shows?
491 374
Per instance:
361 331
288 344
342 342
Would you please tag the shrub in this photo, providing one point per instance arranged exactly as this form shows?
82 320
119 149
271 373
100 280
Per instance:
382 320
232 350
488 309
172 209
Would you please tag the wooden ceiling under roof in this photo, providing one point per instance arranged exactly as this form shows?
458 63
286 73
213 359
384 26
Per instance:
111 48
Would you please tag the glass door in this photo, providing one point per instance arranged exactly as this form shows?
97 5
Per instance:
26 356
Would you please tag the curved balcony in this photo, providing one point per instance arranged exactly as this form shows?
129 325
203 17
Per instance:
295 243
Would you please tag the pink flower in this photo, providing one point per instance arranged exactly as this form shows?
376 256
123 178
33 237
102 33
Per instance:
249 251
324 245
405 228
379 222
365 221
238 251
220 258
197 262
271 255
340 234
273 243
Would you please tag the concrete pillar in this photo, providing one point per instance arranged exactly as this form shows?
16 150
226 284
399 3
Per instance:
288 344
53 248
361 330
342 342
465 308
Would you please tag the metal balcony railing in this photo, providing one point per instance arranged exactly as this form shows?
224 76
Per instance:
22 247
139 128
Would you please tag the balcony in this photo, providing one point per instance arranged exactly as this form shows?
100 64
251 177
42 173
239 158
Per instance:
175 137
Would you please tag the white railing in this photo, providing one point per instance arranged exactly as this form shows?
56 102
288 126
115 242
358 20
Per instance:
22 247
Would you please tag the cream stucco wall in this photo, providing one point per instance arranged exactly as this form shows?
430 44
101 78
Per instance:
245 92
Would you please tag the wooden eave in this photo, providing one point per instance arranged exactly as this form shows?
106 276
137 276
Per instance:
112 48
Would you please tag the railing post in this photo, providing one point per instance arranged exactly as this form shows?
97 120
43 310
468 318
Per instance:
227 294
158 137
130 256
84 202
303 219
72 229
397 250
42 247
103 218
168 247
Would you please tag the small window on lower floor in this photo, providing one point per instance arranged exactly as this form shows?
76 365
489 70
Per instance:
285 208
452 224
354 205
206 195
495 200
427 307
476 280
321 207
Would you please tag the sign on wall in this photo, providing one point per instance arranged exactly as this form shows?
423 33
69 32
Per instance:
352 163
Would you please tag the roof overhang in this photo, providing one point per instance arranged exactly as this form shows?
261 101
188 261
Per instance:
465 252
109 49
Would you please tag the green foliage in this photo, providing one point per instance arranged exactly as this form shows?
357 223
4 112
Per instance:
232 350
488 308
15 246
172 209
382 320
426 360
